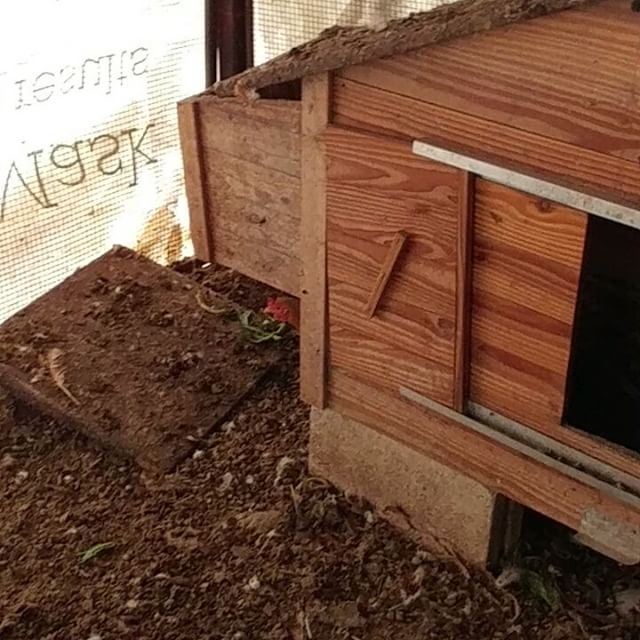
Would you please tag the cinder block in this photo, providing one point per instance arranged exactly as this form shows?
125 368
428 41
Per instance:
447 510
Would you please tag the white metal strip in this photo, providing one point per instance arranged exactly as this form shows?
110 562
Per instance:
535 186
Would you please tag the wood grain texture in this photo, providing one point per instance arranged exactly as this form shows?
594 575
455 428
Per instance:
376 188
570 77
316 104
381 111
386 268
194 177
255 219
520 478
251 159
521 327
464 284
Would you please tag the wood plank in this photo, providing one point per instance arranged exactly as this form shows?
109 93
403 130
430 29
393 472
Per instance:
195 179
264 132
393 253
569 77
541 487
522 342
412 328
316 105
464 284
255 219
382 363
376 188
381 111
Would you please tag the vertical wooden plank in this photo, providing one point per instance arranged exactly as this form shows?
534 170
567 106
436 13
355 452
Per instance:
313 297
191 143
464 274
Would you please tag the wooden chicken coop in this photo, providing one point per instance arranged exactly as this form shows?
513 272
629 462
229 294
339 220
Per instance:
455 199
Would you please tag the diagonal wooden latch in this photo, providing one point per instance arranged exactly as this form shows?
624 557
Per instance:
393 253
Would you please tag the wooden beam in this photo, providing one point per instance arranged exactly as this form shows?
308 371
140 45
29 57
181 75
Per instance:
464 284
386 269
316 101
195 179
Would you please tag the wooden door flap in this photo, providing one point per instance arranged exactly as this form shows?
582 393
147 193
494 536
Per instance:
386 268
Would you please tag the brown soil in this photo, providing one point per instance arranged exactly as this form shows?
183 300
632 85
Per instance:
240 543
139 361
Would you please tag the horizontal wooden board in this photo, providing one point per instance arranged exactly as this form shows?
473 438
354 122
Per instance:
374 359
521 342
377 188
569 77
529 482
383 112
251 162
264 134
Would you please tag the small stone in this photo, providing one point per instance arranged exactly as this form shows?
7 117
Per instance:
7 461
254 583
197 454
250 480
131 604
94 636
227 481
369 517
72 531
228 427
21 476
68 479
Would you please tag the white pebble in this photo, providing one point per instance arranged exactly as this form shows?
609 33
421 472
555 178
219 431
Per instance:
250 480
21 476
197 454
131 604
254 583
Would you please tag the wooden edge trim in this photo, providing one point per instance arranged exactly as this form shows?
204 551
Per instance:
316 105
195 179
464 285
573 499
386 269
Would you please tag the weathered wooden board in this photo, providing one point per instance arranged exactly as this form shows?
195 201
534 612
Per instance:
569 77
384 112
251 163
542 487
316 107
375 189
192 157
527 262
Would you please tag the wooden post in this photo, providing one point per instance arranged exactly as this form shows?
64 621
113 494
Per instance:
464 273
316 101
195 179
232 33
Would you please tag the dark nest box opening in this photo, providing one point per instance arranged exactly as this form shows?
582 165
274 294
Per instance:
603 392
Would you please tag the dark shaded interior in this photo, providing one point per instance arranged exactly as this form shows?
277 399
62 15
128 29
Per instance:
603 388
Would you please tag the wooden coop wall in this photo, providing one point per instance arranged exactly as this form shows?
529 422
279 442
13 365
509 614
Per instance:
521 97
242 167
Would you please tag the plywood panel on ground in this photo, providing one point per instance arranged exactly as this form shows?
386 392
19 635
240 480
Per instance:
376 188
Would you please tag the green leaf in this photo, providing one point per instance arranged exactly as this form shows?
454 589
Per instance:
95 551
542 588
256 330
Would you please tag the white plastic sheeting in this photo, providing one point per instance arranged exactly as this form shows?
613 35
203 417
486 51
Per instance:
89 148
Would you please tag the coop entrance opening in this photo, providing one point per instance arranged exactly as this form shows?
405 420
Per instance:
603 389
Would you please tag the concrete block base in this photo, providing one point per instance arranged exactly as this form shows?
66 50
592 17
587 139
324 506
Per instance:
447 511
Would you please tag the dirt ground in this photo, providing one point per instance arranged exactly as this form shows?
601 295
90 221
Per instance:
239 543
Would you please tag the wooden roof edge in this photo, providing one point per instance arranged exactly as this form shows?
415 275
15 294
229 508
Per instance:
339 47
